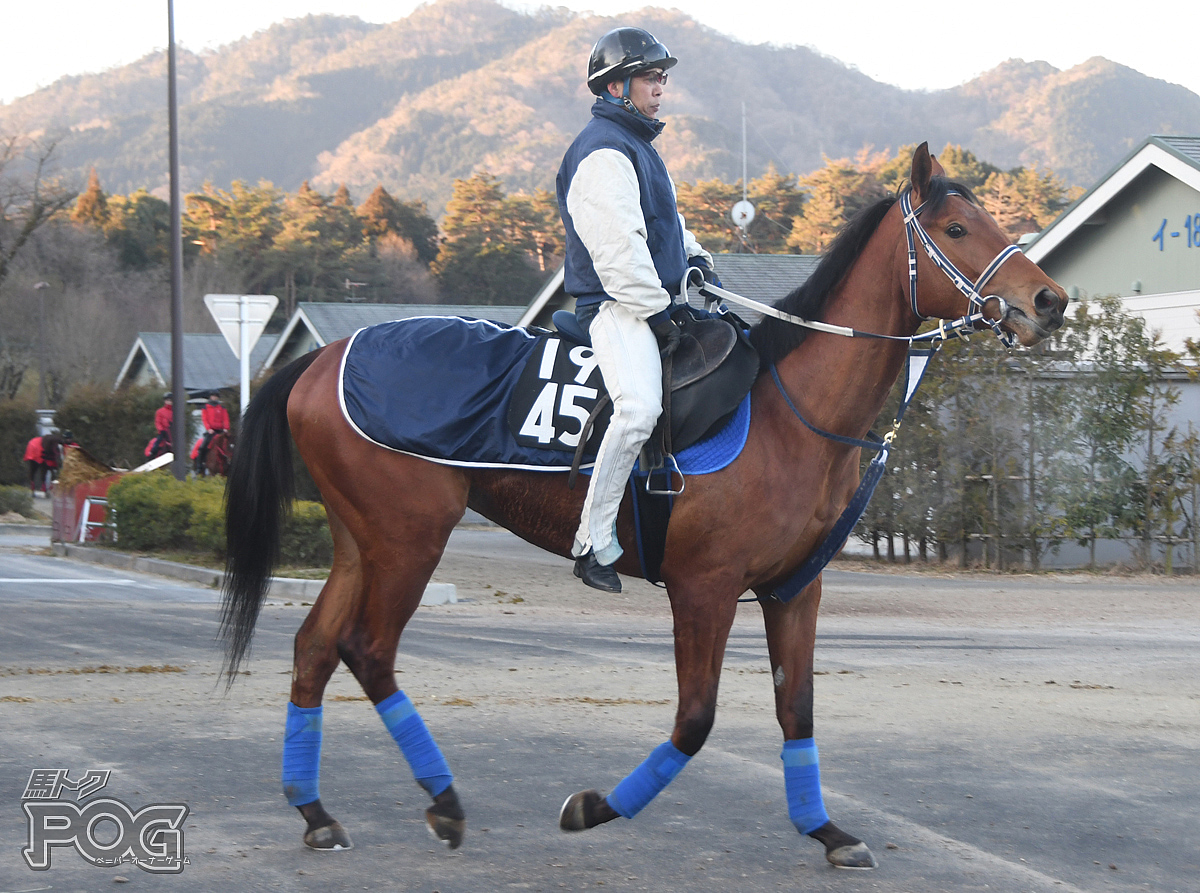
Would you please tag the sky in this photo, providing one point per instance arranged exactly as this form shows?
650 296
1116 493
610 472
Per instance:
49 40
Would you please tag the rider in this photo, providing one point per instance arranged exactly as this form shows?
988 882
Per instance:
214 417
33 461
163 417
627 250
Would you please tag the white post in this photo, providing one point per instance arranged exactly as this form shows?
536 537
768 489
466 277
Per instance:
244 341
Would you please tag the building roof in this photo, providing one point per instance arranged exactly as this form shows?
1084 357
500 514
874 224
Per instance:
208 361
765 278
319 324
1178 156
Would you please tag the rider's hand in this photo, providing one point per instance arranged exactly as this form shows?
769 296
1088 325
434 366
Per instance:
709 274
667 334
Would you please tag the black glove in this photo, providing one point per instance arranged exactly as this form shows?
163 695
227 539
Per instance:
667 334
709 274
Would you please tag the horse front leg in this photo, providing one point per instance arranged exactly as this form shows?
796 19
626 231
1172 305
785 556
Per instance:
791 638
701 631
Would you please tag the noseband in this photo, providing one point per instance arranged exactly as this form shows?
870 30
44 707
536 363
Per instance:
914 232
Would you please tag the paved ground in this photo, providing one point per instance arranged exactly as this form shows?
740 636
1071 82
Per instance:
981 733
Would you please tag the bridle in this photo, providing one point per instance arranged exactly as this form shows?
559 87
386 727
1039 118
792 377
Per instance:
914 232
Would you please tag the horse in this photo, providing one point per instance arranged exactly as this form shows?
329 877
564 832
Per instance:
158 445
742 529
218 455
214 459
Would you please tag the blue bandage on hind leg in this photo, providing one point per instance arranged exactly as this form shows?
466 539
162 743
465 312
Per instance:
802 780
302 754
408 729
645 782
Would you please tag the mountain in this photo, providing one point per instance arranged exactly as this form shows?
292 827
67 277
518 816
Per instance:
464 85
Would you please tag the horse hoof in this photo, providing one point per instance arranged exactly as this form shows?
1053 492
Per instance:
571 816
329 837
584 810
857 856
448 830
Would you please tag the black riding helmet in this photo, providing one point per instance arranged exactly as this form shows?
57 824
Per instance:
623 52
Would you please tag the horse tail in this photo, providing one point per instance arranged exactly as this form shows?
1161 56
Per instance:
258 496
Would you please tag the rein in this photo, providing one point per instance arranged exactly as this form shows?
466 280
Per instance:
914 232
917 363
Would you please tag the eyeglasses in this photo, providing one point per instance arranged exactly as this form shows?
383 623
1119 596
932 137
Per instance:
654 77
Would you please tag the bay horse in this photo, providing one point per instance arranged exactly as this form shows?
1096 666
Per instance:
742 529
219 455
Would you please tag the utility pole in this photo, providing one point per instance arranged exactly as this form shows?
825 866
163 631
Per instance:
40 287
179 421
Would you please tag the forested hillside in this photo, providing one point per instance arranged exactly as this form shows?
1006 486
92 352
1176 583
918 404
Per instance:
463 86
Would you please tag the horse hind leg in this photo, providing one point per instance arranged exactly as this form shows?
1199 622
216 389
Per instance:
396 581
315 659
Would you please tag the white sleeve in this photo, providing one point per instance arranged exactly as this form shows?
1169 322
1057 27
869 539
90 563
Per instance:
691 247
604 202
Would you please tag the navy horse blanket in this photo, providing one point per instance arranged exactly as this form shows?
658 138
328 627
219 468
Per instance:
477 393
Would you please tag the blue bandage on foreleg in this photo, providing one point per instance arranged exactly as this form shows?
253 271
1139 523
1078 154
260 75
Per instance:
802 780
302 754
645 782
408 729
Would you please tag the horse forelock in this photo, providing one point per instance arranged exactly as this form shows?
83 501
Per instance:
941 188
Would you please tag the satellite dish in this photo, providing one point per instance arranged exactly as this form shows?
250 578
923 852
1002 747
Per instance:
742 213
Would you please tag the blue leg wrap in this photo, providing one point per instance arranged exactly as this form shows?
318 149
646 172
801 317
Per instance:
645 782
802 779
409 731
302 754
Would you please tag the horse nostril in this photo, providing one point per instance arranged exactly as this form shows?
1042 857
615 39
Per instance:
1046 301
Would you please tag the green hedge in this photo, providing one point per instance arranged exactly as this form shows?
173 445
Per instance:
155 512
18 423
16 499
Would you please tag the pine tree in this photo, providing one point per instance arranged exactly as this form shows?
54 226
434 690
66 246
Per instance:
382 214
92 207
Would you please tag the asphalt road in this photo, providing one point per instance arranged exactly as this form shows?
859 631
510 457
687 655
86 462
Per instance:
980 733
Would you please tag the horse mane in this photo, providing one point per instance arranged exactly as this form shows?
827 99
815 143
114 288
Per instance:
773 338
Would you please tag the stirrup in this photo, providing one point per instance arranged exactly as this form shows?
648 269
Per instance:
668 462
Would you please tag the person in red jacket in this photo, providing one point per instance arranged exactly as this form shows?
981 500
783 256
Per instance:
163 417
33 461
214 417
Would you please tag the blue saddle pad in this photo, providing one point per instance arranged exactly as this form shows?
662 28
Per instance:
446 389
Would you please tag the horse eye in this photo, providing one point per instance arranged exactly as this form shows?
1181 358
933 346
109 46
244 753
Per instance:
956 231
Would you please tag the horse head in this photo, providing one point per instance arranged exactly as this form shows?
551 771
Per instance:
948 230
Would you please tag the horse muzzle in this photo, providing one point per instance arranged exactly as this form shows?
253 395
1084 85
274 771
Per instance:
1049 312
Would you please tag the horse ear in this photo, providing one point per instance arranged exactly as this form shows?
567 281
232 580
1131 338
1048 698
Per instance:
922 171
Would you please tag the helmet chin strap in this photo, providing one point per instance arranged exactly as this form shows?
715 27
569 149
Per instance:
625 102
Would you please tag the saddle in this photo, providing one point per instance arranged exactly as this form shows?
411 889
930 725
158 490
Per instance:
704 381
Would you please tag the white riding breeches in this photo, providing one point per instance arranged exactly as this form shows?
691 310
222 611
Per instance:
627 354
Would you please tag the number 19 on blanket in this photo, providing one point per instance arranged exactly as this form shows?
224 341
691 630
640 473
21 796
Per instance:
563 395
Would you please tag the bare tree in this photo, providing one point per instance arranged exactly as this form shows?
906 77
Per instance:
29 196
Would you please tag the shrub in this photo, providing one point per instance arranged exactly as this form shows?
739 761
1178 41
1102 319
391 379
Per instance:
206 528
152 511
16 499
156 512
18 423
306 540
